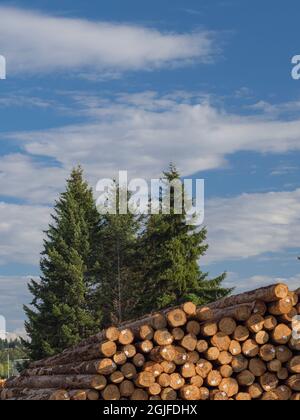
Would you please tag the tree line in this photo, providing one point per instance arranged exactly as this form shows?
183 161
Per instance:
100 270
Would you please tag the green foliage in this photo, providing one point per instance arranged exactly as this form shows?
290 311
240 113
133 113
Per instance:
117 276
102 270
169 257
12 351
61 316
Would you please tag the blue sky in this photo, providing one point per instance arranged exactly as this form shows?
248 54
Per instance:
132 85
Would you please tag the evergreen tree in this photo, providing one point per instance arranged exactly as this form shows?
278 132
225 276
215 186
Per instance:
117 276
60 315
169 257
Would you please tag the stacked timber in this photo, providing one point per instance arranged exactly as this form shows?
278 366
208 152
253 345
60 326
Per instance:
243 347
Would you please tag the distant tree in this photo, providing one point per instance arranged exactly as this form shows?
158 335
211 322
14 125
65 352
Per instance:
117 279
60 315
170 252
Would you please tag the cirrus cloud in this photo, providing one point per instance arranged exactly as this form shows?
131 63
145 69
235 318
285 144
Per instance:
35 42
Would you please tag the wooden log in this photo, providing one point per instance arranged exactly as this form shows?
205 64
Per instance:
203 368
262 338
275 366
283 354
38 394
239 363
176 381
269 382
294 383
283 374
188 370
177 318
129 350
140 395
268 352
230 386
245 378
169 394
255 323
294 365
216 395
139 360
164 380
284 393
270 323
120 358
190 393
154 390
197 381
202 346
145 379
221 341
193 357
241 334
89 352
281 307
97 382
129 371
225 358
168 367
193 328
189 342
126 336
181 356
126 388
212 354
214 378
227 326
282 334
257 367
260 308
178 333
235 348
145 346
255 391
209 329
163 337
243 396
250 348
93 367
117 377
265 294
111 393
190 309
112 334
146 332
226 371
204 394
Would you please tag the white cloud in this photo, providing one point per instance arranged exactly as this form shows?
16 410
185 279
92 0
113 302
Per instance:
144 132
251 283
14 294
21 233
35 42
24 178
252 224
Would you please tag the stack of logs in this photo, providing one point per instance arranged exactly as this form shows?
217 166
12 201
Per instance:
239 348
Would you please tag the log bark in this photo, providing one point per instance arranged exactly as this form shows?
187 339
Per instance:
97 382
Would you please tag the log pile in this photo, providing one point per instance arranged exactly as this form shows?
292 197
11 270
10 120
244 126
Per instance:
243 347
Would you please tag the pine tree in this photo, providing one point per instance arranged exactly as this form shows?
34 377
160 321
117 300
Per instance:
117 277
60 315
169 256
